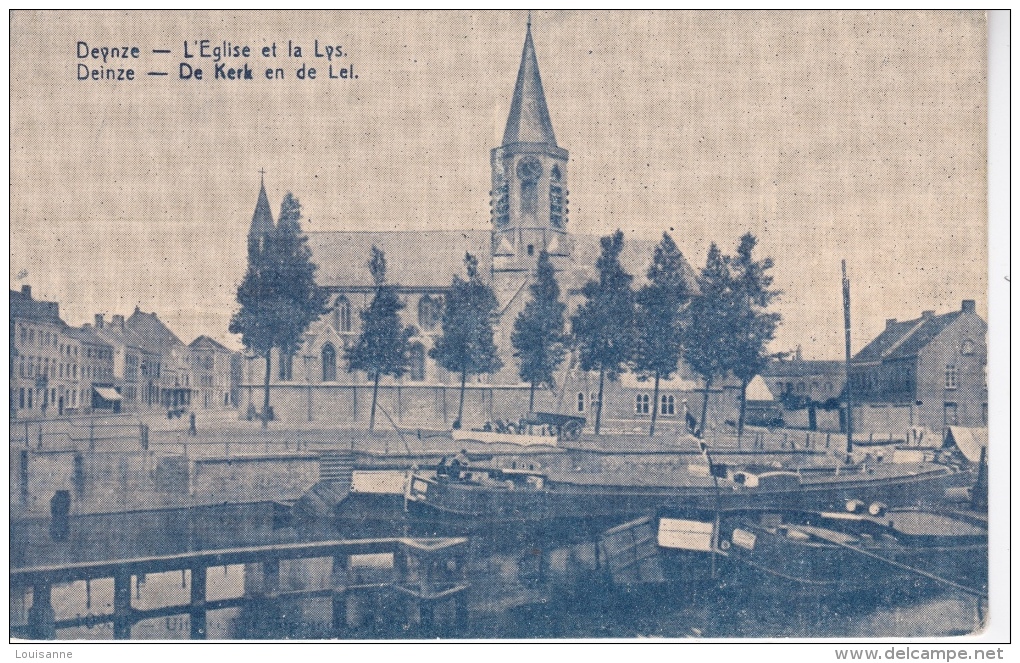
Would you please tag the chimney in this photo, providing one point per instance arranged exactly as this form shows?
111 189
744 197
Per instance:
927 314
118 322
889 322
99 320
799 355
27 291
968 306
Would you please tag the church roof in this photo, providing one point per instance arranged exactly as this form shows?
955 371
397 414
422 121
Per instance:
262 219
429 259
529 120
635 258
426 259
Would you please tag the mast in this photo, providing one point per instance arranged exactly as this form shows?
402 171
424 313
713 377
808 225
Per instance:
848 389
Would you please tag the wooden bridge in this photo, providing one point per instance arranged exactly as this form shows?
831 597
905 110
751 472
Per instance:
424 571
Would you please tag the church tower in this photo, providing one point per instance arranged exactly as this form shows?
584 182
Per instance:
261 223
529 180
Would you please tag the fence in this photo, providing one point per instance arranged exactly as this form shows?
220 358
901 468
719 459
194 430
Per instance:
79 433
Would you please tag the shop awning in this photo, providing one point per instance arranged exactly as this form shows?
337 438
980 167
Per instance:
107 394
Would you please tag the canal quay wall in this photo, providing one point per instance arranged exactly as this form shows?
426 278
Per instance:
131 465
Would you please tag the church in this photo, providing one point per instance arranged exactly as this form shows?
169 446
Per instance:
529 215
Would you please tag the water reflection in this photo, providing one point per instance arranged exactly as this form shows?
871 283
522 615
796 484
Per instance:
538 582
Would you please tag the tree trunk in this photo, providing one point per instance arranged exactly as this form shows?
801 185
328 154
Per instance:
704 408
460 408
743 409
531 398
655 405
265 400
375 397
598 412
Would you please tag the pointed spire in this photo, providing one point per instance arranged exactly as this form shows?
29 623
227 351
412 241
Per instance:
262 219
529 120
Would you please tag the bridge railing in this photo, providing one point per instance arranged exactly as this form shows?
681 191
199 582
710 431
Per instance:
426 571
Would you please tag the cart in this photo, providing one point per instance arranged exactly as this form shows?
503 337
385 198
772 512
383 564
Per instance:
566 426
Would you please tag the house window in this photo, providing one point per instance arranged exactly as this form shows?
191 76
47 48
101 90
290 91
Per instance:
984 414
531 249
328 363
642 404
580 401
950 417
286 368
342 315
21 398
417 362
952 376
667 404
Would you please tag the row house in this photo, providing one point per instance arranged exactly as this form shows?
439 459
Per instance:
52 371
213 367
166 376
131 359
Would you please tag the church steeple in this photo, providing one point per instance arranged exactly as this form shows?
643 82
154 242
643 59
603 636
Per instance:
529 179
529 120
261 221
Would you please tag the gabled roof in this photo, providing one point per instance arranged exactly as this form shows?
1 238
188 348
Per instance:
154 334
204 341
427 259
901 340
529 121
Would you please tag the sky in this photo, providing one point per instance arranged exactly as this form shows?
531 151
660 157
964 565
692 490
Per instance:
829 135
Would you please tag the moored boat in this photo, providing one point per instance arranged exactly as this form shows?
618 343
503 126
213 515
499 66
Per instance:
493 495
823 553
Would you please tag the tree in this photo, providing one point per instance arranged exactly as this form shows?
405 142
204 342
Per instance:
661 305
707 325
279 297
752 326
603 327
538 335
384 347
466 345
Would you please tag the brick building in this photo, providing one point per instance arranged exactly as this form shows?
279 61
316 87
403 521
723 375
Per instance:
928 372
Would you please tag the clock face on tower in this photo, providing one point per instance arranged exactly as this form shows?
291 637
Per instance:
529 169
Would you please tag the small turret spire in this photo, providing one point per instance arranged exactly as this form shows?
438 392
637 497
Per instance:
261 221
